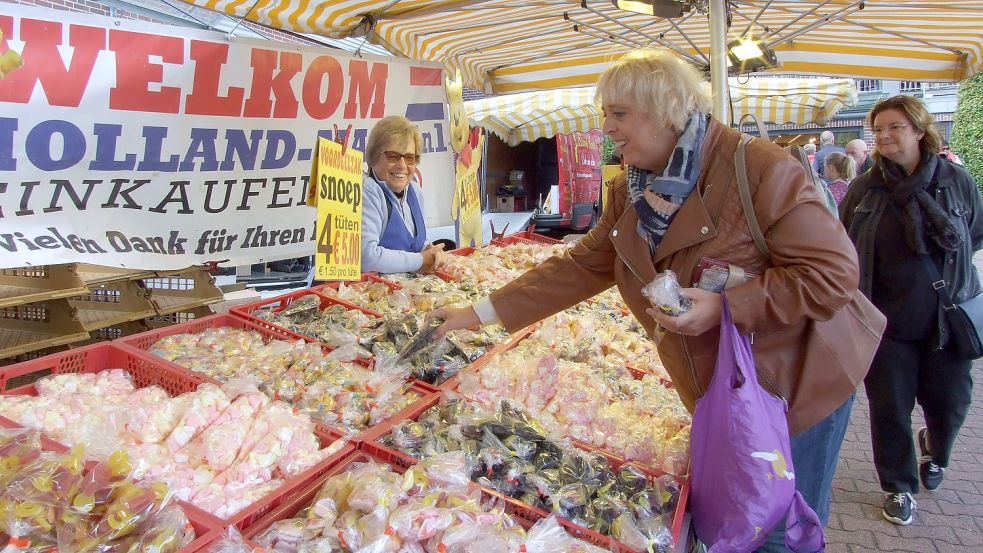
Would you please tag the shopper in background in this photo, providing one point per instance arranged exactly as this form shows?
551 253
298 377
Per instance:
857 149
678 203
394 232
840 170
827 145
810 150
948 154
913 204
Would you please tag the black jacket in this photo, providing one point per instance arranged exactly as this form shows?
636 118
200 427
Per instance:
956 192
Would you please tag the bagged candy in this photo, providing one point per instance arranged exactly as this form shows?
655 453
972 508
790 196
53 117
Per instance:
666 295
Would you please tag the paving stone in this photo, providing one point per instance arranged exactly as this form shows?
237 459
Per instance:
887 542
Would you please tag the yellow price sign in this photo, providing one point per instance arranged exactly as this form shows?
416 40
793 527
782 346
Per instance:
338 192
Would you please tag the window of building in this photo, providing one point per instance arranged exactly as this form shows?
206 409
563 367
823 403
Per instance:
911 86
869 85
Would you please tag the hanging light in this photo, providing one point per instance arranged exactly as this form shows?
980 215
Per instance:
656 8
747 55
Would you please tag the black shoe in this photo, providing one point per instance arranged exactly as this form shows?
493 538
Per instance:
899 508
931 474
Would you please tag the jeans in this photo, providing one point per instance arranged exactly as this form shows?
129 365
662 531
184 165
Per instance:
814 456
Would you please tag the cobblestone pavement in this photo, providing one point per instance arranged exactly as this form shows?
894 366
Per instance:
948 519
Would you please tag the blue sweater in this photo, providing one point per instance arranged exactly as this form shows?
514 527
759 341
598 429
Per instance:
375 219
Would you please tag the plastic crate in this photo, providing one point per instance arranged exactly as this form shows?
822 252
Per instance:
146 371
111 303
279 303
452 384
178 317
528 237
114 332
38 325
145 340
295 504
100 274
517 508
6 361
45 282
248 516
182 290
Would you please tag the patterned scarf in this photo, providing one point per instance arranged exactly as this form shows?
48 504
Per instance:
672 187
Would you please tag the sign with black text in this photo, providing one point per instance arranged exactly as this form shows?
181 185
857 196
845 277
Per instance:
149 146
338 255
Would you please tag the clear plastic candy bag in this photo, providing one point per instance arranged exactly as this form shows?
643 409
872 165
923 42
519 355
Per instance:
666 295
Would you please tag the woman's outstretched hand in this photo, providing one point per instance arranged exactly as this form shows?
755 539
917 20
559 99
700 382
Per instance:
703 315
454 318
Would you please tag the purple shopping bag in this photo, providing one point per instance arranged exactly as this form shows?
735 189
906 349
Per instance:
742 479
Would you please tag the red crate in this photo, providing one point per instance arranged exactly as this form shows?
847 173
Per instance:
145 340
399 463
96 358
527 512
149 371
527 237
453 383
274 499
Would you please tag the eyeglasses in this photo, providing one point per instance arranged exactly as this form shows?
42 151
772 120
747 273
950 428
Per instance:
892 128
393 157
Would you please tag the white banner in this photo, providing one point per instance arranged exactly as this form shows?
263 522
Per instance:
139 145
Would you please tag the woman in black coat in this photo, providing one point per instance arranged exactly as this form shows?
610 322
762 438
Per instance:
913 217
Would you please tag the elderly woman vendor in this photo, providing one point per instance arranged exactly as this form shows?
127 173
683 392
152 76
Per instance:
394 233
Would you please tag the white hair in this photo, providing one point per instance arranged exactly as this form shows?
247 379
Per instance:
826 137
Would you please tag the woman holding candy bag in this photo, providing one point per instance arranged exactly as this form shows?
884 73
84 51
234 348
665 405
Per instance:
676 205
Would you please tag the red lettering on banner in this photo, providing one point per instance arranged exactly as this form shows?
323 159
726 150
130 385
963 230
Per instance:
314 84
265 83
43 63
204 99
365 87
135 72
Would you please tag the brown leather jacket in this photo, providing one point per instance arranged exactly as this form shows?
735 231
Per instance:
812 274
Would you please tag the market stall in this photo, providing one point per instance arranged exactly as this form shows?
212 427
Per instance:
594 451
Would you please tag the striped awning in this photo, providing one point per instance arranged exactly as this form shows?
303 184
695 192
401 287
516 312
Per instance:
527 116
504 46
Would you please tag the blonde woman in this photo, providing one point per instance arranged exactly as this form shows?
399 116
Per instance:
840 169
678 203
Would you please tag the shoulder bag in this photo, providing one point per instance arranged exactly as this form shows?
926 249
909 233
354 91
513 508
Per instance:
845 343
965 320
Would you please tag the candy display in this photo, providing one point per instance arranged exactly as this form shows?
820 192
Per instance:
339 393
508 451
602 405
221 449
370 508
403 312
53 504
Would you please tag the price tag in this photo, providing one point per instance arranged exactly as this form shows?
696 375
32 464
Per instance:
338 189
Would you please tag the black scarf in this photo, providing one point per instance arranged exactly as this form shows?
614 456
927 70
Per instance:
921 213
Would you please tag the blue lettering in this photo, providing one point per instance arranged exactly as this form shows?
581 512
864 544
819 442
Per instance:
152 151
106 140
203 146
7 128
273 140
236 139
38 145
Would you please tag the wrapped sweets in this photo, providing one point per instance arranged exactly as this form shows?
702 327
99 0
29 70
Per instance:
508 451
430 508
52 505
220 448
327 389
606 408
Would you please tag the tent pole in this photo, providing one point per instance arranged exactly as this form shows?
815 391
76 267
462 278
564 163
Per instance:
718 59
